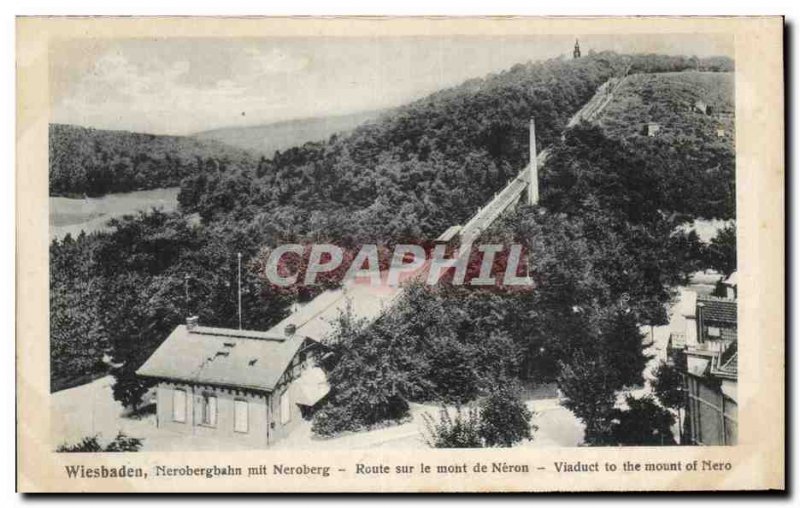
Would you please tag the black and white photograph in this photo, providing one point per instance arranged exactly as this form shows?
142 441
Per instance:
213 200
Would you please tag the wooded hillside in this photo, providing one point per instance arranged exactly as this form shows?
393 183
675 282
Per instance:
420 169
94 162
424 166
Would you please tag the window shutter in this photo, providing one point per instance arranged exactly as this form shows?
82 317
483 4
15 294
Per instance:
240 416
179 406
212 410
286 407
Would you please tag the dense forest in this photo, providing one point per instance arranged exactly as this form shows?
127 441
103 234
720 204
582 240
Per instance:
422 168
603 240
604 254
94 162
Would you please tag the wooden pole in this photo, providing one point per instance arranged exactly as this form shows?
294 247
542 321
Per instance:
239 256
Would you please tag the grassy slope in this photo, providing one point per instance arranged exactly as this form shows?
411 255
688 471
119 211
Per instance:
665 98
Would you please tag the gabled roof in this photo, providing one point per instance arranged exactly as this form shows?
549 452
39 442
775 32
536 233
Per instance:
220 356
720 310
731 367
257 360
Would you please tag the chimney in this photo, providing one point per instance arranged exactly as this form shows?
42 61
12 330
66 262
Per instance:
191 322
700 323
533 176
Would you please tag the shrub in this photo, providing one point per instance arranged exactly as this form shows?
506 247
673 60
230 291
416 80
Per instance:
459 431
337 417
87 444
331 420
91 444
501 420
123 443
504 419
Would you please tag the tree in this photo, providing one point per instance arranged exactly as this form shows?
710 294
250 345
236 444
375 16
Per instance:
722 251
129 388
77 338
604 255
587 164
504 418
452 370
589 393
668 387
621 342
644 423
85 161
372 373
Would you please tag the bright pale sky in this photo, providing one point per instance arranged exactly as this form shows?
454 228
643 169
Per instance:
182 86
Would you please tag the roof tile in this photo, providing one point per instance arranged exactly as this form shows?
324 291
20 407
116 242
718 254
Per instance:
720 310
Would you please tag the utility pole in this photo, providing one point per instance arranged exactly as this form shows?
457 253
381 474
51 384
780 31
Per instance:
186 294
239 256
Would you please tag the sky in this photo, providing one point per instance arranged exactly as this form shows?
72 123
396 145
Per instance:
187 85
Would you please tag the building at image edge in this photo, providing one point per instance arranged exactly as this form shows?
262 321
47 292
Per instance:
707 354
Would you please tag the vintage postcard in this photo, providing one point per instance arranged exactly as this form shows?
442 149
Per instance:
400 254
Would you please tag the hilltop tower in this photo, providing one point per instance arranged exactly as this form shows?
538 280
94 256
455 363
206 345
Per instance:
576 53
533 170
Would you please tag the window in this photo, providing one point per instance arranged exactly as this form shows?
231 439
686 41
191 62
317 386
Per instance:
209 410
286 407
240 415
179 405
713 331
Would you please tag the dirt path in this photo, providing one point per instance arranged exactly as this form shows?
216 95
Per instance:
90 409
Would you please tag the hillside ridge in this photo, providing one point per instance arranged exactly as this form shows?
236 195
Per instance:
270 137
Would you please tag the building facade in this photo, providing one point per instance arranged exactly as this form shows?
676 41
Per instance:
711 405
706 352
233 385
